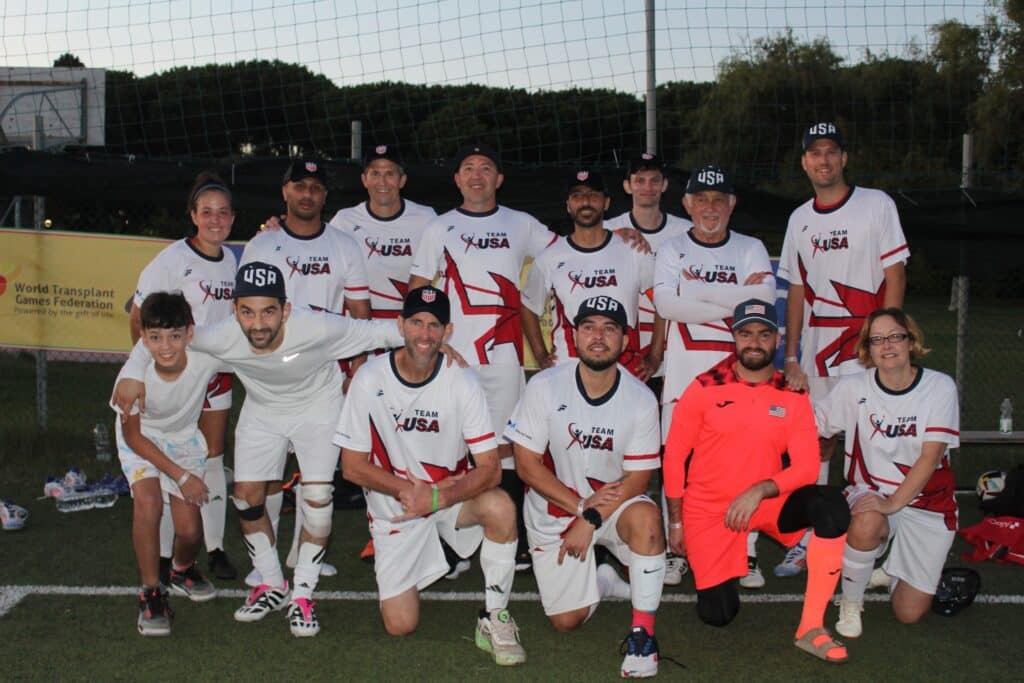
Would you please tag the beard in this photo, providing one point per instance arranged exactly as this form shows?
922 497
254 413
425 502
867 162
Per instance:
751 360
592 219
594 363
271 335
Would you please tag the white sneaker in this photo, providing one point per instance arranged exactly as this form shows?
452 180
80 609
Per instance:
849 624
302 619
610 584
675 568
794 562
754 578
497 633
262 601
879 579
641 659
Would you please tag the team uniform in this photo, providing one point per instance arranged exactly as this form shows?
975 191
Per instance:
587 444
387 246
671 228
417 430
570 274
207 283
885 431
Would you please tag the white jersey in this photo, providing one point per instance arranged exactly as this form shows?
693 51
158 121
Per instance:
885 431
207 283
671 227
480 258
586 443
839 255
387 246
417 430
320 271
299 373
173 406
699 305
572 274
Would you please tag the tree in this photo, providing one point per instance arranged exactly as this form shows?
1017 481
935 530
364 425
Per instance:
68 59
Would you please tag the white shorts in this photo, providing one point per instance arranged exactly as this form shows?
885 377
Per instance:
503 384
819 387
919 540
218 392
189 453
262 439
573 584
410 555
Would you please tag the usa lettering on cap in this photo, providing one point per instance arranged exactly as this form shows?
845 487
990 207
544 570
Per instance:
823 129
602 303
260 277
710 177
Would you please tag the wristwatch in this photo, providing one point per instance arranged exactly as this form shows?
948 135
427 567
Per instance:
594 517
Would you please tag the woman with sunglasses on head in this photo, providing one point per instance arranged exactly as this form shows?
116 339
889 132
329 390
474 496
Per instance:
900 421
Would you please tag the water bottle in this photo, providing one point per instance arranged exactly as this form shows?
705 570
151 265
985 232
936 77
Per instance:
101 437
1006 416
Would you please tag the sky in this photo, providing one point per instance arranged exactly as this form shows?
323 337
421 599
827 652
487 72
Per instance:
533 44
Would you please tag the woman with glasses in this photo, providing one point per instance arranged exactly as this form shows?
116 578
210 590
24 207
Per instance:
900 421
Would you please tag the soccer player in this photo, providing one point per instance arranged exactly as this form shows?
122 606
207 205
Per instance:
589 262
204 271
844 256
699 278
742 455
586 440
404 433
164 450
900 421
287 361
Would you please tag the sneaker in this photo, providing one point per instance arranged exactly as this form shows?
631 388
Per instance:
12 517
220 566
191 584
641 652
675 568
165 571
302 619
879 579
154 614
497 633
457 570
262 601
849 625
366 554
523 561
610 584
754 578
794 562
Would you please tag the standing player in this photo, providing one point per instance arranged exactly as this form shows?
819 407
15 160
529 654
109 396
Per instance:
725 476
589 262
586 440
204 271
699 278
844 256
900 421
404 433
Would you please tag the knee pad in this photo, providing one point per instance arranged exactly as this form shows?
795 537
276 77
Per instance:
317 509
830 514
719 604
250 513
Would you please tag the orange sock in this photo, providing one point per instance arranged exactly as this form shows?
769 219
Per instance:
824 565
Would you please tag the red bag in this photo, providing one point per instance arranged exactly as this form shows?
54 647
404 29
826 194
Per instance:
1000 539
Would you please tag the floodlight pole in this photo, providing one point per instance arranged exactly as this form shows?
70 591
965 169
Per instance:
39 211
652 94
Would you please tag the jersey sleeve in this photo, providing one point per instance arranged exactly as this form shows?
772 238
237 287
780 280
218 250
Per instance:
540 237
345 337
670 302
802 447
789 268
134 368
215 339
353 429
426 260
357 282
893 247
538 286
155 277
528 425
644 448
254 249
687 419
477 429
943 423
645 270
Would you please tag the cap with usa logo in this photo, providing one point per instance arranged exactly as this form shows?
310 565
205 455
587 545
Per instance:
710 177
300 169
388 152
427 299
755 311
259 279
586 178
824 130
602 306
645 162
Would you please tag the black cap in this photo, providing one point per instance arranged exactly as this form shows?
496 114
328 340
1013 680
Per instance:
825 130
259 279
300 169
755 311
477 148
644 162
389 152
602 305
591 179
427 299
710 178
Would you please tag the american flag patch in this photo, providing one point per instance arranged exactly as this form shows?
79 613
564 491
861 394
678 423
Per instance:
777 411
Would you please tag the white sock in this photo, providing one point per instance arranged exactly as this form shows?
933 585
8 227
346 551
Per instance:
752 544
857 568
307 570
264 558
213 512
646 578
273 507
166 531
498 562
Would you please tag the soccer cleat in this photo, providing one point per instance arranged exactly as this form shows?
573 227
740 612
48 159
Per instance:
879 579
302 619
262 601
497 633
219 565
154 614
641 652
12 517
754 578
458 569
675 568
849 624
523 561
794 562
366 554
191 584
53 487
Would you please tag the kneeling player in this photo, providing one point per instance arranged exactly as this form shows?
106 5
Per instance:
586 439
164 451
733 432
404 430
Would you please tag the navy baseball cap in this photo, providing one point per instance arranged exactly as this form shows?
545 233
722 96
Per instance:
644 162
301 169
259 279
427 299
591 179
474 149
601 305
755 311
824 130
389 152
710 178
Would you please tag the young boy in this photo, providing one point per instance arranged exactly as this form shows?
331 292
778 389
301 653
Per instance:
163 453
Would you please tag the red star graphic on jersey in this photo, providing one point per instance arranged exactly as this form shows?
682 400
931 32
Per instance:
937 494
402 288
507 328
858 470
437 472
379 451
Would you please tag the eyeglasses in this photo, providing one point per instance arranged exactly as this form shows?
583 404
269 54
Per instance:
894 338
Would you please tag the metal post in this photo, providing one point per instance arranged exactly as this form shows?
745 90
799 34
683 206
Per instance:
17 212
967 162
356 152
652 95
39 213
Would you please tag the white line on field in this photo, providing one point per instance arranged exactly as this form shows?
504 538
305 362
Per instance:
10 596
